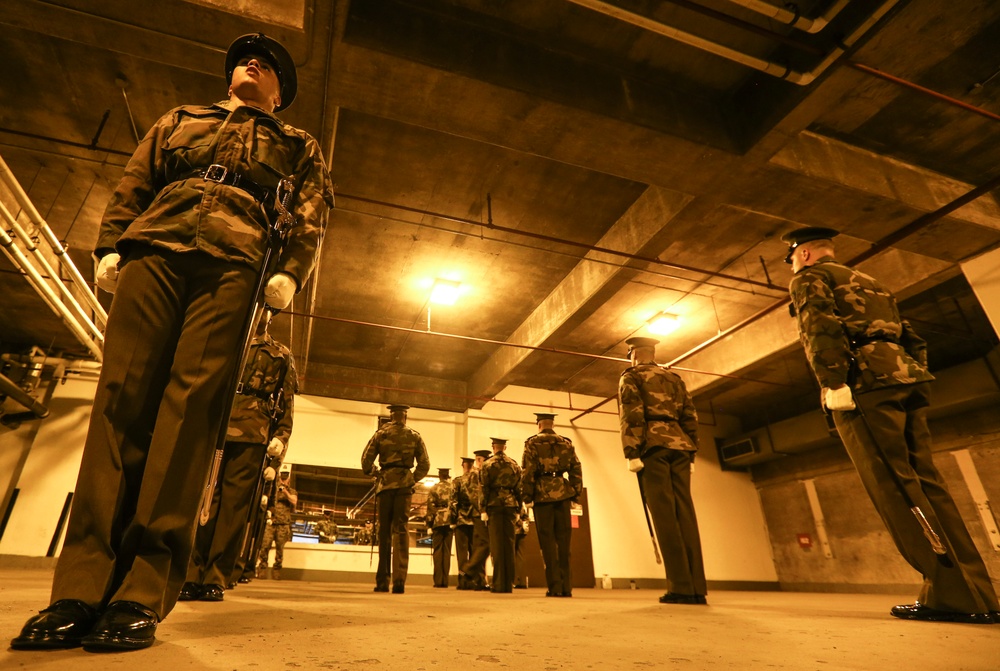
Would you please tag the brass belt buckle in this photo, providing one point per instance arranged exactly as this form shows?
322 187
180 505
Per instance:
216 173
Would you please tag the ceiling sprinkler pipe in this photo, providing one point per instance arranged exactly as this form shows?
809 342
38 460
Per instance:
793 18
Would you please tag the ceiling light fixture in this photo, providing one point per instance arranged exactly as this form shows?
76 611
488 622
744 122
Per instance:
445 292
664 323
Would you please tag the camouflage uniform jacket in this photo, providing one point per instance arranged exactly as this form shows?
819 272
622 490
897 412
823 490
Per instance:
328 528
397 447
438 500
548 460
264 403
281 511
655 410
159 202
463 506
844 314
521 522
501 483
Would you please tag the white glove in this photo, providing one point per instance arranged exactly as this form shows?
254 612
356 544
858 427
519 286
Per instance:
268 474
275 447
484 517
279 290
263 501
107 272
635 465
838 399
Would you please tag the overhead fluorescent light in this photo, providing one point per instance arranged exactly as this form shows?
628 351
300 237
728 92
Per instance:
664 323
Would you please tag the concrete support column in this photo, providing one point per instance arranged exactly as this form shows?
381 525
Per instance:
983 274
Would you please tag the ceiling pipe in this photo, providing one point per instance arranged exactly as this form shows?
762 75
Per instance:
10 389
793 18
771 68
563 241
47 270
18 258
7 177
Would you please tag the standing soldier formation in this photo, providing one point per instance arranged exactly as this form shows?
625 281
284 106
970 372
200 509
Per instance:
180 245
500 479
872 368
473 573
397 448
439 523
551 479
259 428
659 429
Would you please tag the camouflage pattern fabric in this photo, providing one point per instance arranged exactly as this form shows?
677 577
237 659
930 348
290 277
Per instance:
550 469
260 412
464 502
500 478
159 203
397 447
655 410
843 314
281 512
521 522
363 536
327 529
438 500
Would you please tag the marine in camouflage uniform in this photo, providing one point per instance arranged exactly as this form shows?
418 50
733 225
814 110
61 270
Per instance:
438 520
500 479
397 448
521 526
278 529
461 510
856 341
326 528
551 478
659 431
472 574
190 238
259 429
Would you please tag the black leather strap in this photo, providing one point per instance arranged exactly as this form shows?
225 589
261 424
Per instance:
222 175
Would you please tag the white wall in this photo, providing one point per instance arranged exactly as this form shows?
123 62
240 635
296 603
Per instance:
50 471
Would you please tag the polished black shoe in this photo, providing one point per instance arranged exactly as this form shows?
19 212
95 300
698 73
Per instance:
918 611
244 579
231 585
381 588
684 599
191 591
398 588
124 625
61 625
212 593
520 587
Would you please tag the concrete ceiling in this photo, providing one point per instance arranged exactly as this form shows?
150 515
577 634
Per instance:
577 173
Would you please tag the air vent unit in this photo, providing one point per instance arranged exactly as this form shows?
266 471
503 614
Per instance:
742 448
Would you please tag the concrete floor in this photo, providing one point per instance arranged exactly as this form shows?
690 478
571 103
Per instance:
322 625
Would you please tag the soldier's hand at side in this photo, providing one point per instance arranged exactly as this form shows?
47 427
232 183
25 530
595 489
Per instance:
268 474
275 447
107 272
484 517
838 399
279 290
635 465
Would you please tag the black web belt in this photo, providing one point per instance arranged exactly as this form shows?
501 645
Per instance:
245 391
555 474
660 418
220 174
861 341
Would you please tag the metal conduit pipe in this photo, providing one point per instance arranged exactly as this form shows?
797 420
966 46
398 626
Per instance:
562 241
67 297
45 291
101 317
767 67
793 18
9 388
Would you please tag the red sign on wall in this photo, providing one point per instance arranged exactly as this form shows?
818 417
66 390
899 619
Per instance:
805 541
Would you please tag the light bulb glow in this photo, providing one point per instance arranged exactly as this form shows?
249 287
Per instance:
445 292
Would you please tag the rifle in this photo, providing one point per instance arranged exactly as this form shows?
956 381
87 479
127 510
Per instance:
277 234
649 523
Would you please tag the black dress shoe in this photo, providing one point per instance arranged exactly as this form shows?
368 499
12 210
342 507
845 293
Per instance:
244 579
61 625
125 625
918 611
381 588
191 591
212 593
231 585
398 588
520 587
684 599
